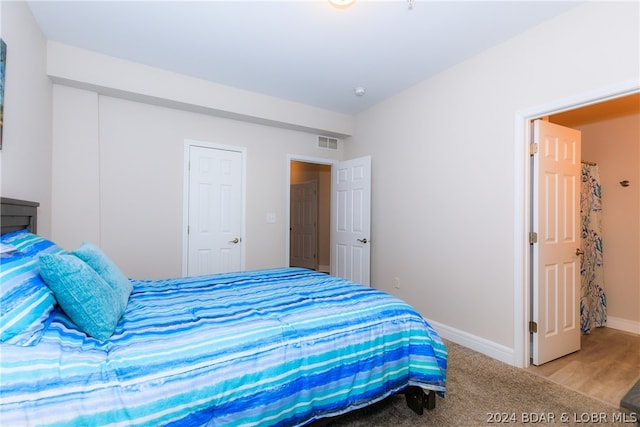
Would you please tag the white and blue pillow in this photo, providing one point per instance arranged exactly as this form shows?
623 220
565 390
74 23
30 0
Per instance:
26 300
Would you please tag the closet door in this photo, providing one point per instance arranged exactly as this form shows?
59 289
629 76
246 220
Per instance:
215 211
303 225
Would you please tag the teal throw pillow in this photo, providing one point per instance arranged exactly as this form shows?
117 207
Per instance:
111 274
82 294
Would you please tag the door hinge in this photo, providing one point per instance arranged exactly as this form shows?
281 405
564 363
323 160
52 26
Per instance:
533 237
533 149
533 327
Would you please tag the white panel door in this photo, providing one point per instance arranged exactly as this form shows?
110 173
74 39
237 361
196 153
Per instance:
303 233
215 211
556 260
351 219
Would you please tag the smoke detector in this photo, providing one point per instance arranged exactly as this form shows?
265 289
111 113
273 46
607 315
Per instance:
359 91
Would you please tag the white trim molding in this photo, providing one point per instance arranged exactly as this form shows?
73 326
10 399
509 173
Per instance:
623 325
479 344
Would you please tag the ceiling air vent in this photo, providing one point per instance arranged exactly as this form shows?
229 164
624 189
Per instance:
327 142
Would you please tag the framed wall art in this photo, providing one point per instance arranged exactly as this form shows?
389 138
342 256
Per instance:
3 65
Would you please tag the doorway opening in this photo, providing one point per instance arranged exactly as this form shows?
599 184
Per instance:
349 207
588 103
310 215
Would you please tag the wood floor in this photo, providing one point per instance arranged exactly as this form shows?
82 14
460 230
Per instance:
606 367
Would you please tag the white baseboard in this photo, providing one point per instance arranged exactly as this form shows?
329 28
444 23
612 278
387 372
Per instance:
506 354
481 345
623 325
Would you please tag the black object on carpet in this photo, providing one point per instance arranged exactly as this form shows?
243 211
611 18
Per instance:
631 402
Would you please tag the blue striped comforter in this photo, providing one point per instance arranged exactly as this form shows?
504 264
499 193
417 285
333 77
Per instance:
269 347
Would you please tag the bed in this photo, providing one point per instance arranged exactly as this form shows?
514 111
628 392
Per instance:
282 346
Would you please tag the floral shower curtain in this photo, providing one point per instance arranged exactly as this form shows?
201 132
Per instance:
593 303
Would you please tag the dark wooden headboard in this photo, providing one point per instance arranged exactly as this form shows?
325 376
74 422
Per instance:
18 214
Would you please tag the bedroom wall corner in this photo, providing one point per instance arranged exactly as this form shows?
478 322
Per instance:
25 158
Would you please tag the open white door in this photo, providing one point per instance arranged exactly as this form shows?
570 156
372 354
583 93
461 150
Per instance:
351 219
556 260
215 211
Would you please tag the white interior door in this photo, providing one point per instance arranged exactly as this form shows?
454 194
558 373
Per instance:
556 262
215 211
351 219
303 233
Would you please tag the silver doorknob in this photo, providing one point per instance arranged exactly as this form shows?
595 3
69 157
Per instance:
236 240
579 252
363 240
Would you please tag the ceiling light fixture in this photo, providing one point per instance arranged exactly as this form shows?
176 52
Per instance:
342 4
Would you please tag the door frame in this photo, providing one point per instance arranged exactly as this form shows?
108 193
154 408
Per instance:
188 143
306 159
523 205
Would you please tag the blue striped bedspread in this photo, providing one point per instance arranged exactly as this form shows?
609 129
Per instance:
270 347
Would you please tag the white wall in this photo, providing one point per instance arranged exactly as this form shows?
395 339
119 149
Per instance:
443 214
25 159
120 162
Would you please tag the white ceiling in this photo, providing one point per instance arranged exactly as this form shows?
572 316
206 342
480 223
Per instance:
304 51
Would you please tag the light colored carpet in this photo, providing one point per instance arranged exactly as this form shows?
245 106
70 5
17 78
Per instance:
479 387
